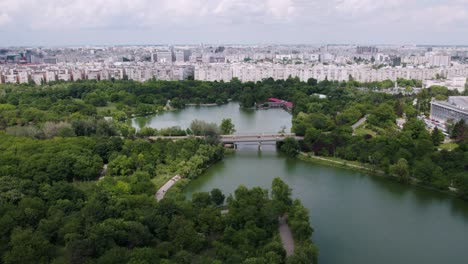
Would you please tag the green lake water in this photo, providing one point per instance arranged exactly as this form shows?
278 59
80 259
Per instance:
358 219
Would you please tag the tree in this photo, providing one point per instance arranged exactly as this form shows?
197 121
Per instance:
281 195
227 127
304 254
217 196
290 147
202 128
401 170
437 136
28 247
460 131
462 185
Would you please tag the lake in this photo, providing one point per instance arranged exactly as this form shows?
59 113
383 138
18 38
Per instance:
358 219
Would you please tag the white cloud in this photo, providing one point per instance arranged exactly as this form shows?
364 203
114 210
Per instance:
441 16
301 20
356 7
4 19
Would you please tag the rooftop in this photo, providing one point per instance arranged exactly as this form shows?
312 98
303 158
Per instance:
458 103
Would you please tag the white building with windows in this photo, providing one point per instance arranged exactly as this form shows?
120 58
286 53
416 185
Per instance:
455 109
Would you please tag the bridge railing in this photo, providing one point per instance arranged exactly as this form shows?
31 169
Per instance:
259 135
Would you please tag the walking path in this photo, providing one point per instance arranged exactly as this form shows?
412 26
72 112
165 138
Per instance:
286 236
163 190
103 172
359 122
338 162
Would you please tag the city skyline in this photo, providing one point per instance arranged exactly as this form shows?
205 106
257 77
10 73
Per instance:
143 22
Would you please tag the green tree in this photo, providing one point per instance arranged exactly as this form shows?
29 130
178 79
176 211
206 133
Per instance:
281 195
290 147
227 127
401 170
460 131
217 196
437 136
27 246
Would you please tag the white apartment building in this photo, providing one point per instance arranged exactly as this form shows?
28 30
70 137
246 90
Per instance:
38 77
213 72
50 76
437 60
260 71
10 78
23 77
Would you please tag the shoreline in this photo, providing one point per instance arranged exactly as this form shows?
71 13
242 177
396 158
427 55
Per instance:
452 192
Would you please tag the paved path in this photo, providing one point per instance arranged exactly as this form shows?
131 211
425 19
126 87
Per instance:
103 172
163 190
359 122
337 162
286 236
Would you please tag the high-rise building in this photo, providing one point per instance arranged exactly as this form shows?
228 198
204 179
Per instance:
366 49
164 57
182 55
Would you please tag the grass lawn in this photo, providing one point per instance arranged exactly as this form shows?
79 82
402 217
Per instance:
362 131
104 110
448 146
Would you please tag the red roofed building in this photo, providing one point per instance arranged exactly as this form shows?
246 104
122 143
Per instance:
275 102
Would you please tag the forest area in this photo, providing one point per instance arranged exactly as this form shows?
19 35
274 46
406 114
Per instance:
55 141
59 204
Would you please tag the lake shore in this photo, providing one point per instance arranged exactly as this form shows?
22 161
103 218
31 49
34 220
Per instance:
369 171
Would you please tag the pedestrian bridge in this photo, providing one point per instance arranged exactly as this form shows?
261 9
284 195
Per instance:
257 138
242 138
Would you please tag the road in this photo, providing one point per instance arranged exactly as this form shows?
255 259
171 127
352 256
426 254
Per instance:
163 190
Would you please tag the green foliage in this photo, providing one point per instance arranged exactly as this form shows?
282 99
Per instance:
290 147
383 116
437 136
281 195
217 196
401 170
202 128
227 127
28 247
460 131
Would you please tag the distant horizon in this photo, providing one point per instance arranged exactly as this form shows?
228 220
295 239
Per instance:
235 44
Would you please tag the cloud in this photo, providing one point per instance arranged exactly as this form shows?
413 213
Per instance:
4 19
260 20
360 7
441 16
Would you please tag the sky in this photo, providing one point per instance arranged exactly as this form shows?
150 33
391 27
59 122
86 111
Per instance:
146 22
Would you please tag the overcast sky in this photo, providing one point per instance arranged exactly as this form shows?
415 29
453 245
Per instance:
102 22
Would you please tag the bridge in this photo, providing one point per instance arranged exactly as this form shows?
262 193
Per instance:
256 139
245 139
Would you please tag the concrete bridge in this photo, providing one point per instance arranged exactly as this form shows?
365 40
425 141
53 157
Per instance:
244 139
256 139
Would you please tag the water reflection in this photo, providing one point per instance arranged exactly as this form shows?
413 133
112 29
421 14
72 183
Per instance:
246 120
357 218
